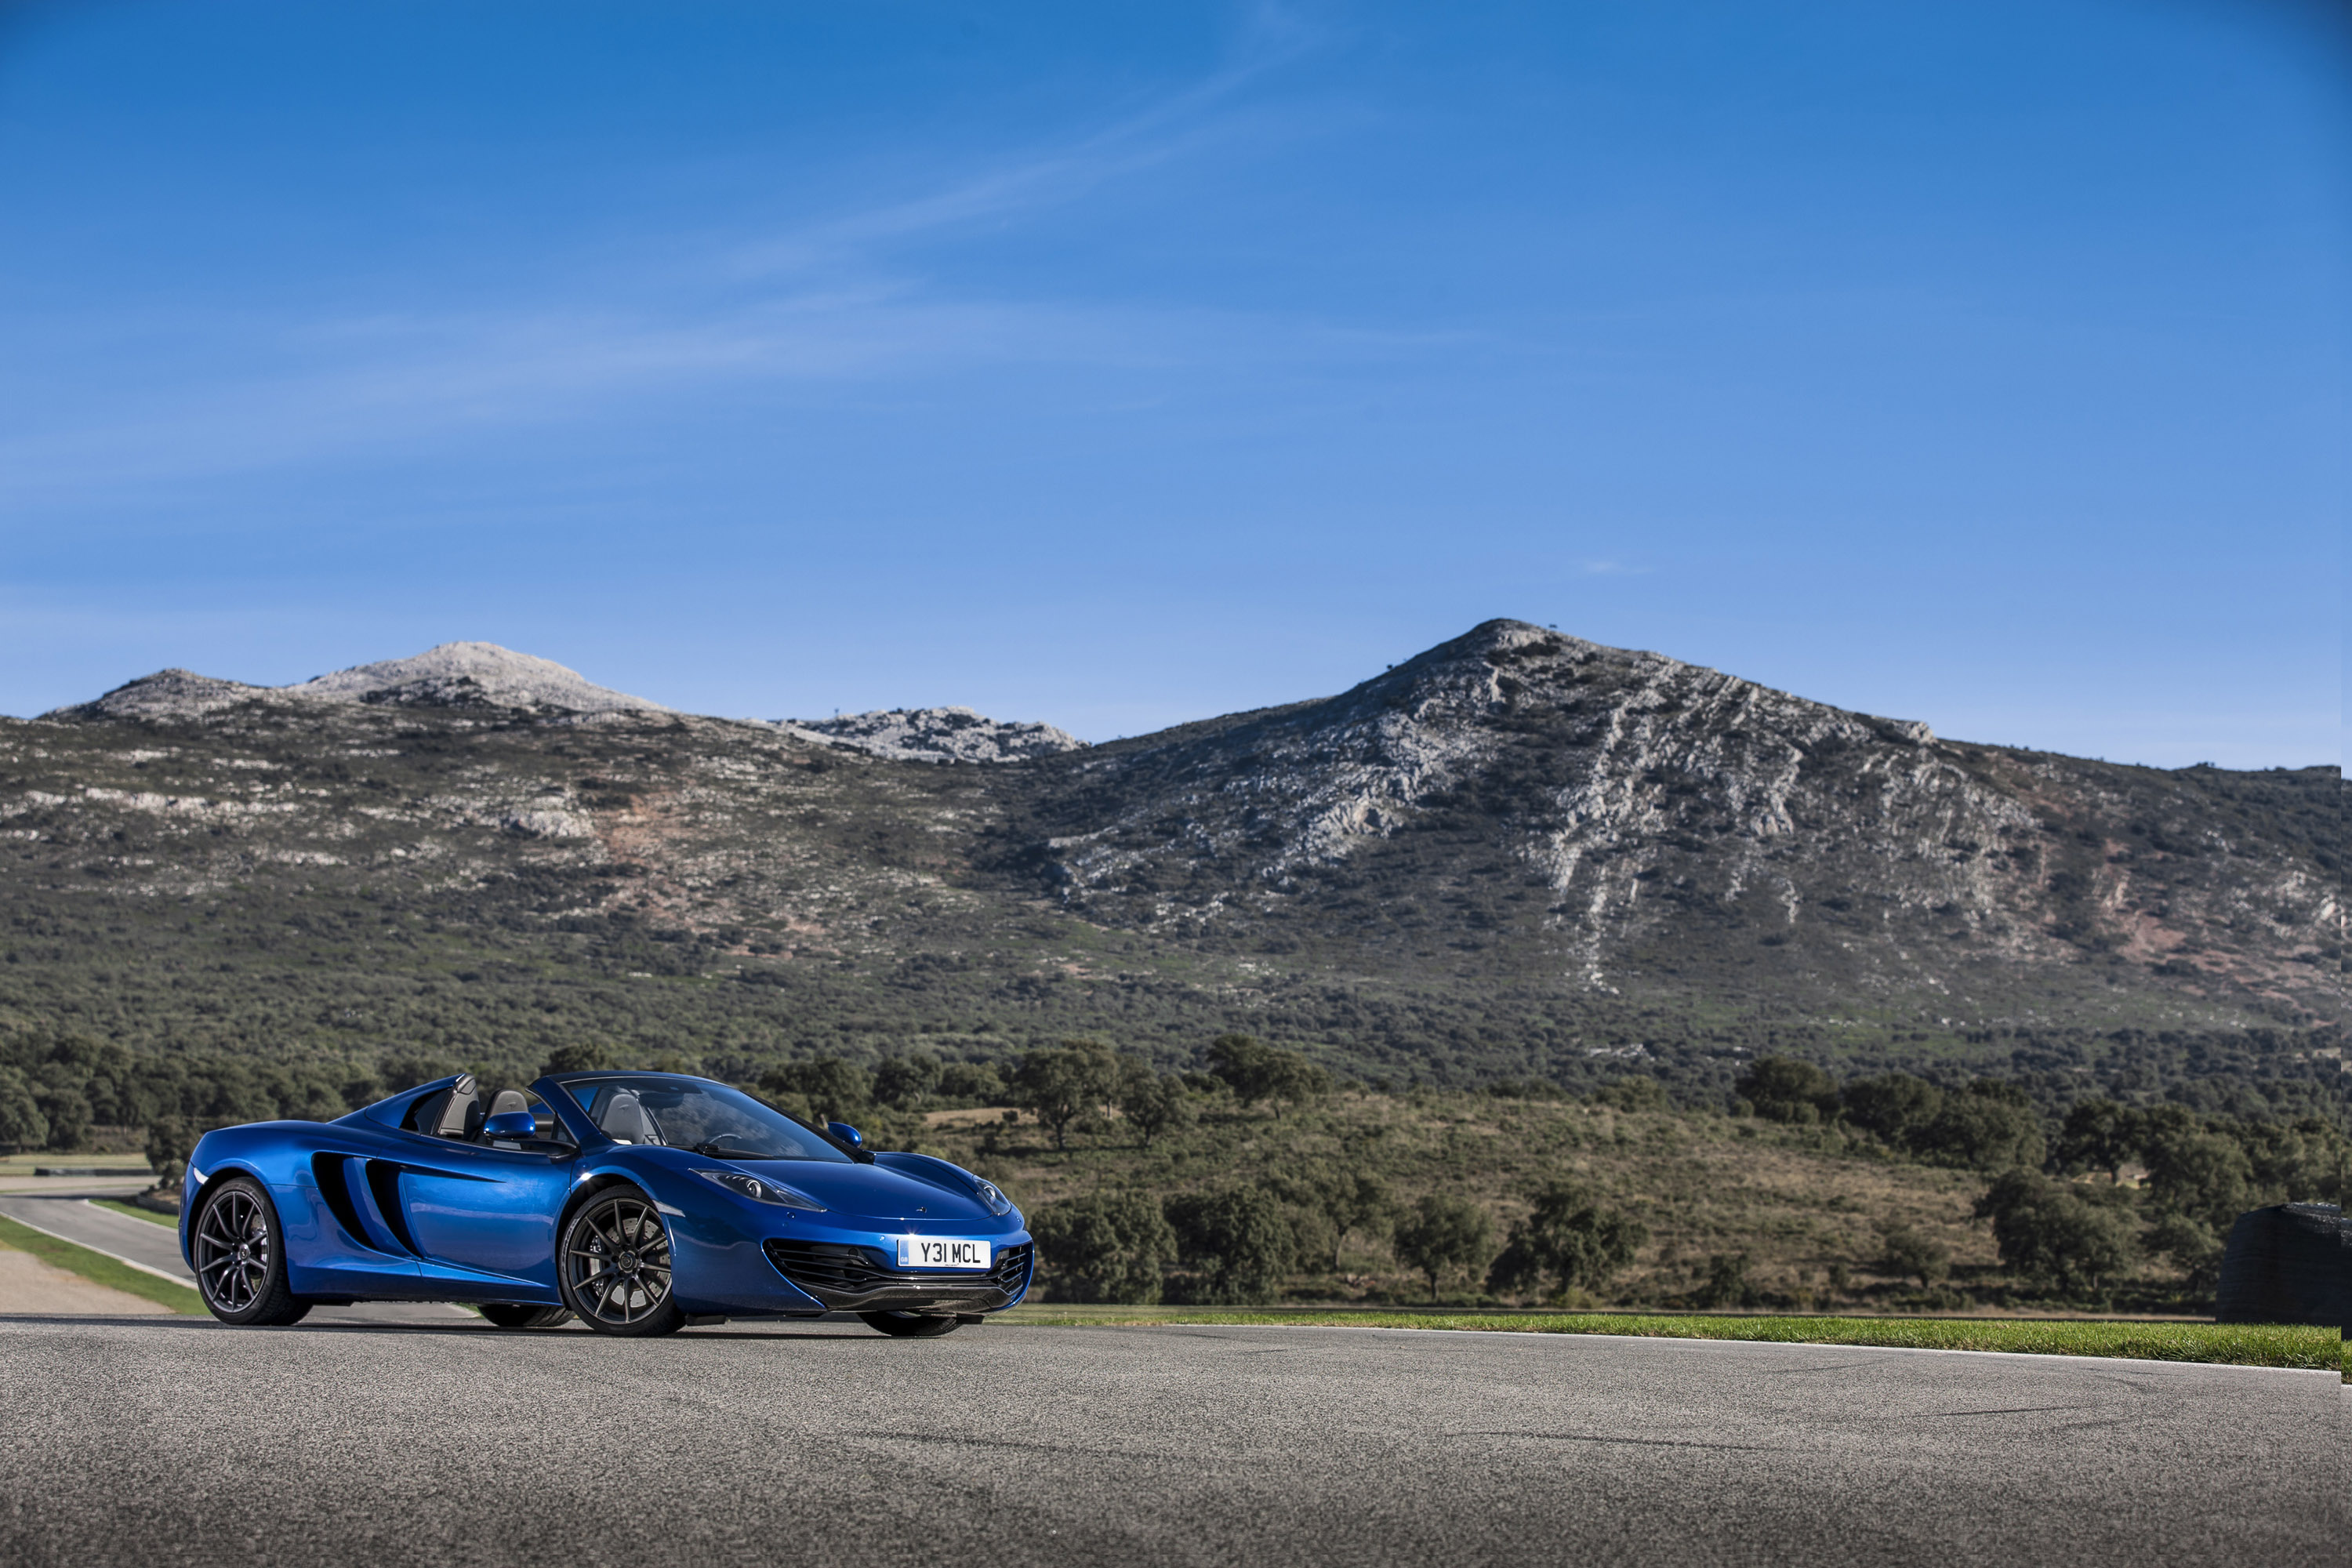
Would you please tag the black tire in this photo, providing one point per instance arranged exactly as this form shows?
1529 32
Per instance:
613 1264
522 1315
909 1325
241 1258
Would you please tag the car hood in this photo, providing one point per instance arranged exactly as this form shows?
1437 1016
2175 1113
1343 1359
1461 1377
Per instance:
873 1192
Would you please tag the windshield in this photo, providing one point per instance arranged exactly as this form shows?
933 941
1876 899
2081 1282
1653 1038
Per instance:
708 1118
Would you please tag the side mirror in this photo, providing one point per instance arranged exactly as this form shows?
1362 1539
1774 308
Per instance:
511 1124
847 1133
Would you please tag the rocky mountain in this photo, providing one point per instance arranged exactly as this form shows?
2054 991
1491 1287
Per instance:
935 735
454 675
1518 854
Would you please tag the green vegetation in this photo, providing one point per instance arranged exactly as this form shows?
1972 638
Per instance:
2236 1344
135 1212
98 1268
1362 1198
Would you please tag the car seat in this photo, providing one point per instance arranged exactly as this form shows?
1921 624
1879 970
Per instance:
625 1121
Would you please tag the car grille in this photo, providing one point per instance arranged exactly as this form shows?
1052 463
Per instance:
852 1277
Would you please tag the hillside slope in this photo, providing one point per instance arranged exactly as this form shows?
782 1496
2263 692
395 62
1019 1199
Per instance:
1517 854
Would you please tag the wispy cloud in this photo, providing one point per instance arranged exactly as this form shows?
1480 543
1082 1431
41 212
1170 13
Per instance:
830 299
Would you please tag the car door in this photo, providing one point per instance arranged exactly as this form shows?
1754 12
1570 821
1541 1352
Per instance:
480 1216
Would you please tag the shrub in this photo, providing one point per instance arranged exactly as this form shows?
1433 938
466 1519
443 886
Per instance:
1631 1093
1105 1246
1908 1254
1785 1091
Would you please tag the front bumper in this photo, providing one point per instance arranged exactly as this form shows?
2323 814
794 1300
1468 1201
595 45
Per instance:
852 1278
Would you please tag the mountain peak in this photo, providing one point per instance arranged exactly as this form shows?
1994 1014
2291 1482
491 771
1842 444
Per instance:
454 675
467 674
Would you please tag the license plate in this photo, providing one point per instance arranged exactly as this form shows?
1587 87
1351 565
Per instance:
941 1252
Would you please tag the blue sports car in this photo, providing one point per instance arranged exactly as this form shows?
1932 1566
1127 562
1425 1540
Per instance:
638 1202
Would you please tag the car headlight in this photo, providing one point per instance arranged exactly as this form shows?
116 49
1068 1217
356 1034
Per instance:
998 1203
744 1185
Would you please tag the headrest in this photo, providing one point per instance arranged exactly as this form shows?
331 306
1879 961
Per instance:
625 1121
507 1101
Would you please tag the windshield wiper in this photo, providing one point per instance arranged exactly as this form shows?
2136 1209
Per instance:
720 1151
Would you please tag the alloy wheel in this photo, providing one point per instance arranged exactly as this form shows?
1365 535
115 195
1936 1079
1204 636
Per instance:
617 1262
232 1250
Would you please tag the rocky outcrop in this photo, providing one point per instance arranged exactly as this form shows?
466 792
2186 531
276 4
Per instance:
465 675
936 735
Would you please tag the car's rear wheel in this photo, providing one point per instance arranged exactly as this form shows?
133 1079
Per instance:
240 1257
522 1315
909 1325
616 1266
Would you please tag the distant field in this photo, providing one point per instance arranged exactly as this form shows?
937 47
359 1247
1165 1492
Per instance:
2236 1344
98 1268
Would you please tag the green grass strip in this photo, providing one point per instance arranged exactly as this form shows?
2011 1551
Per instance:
2236 1344
135 1212
99 1269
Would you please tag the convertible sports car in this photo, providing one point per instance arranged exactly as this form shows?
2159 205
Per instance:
640 1202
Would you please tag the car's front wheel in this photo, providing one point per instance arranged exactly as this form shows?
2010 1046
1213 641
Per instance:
909 1325
240 1258
522 1315
615 1268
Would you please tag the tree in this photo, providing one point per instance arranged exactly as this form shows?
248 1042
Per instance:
906 1081
574 1055
974 1083
2050 1235
2199 1174
1908 1253
1154 1104
1444 1235
1239 1243
1256 1072
1785 1091
2099 1135
1333 1201
1105 1246
1068 1087
68 1111
832 1089
1982 1129
168 1142
1567 1240
21 1122
1894 1105
1727 1284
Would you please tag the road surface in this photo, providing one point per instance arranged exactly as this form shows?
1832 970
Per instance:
177 1441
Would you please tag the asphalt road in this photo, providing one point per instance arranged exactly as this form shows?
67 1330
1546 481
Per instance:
176 1441
63 1209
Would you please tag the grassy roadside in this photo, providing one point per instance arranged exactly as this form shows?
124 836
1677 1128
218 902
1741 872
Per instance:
2237 1345
135 1212
98 1268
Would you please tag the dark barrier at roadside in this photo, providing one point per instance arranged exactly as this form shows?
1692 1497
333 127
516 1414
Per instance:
2290 1263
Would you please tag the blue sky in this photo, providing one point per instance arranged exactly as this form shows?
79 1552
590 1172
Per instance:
1984 364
